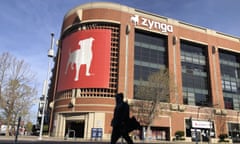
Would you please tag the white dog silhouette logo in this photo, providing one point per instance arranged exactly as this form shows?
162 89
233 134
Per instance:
135 19
81 56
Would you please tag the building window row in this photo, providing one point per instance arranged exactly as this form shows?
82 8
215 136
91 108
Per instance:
150 55
230 72
192 58
143 72
195 73
230 86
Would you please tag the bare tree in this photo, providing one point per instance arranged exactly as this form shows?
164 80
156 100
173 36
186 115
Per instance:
17 89
151 93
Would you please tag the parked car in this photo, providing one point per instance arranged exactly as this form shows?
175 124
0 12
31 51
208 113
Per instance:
3 129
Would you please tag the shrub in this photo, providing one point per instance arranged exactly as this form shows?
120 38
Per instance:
222 137
179 135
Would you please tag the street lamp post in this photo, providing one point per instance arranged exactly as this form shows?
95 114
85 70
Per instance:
45 86
0 90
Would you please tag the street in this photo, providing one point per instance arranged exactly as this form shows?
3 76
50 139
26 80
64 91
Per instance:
49 140
43 140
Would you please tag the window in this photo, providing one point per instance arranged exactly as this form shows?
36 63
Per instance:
230 65
201 99
195 75
233 131
228 102
150 54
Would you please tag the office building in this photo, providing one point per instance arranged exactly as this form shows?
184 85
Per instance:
106 48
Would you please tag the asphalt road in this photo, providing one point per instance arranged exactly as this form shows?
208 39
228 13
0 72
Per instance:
36 140
81 142
44 141
58 142
47 140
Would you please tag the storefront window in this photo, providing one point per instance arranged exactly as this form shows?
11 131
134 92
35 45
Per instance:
199 130
233 131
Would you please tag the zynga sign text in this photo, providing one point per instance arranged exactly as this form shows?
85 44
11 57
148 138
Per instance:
141 21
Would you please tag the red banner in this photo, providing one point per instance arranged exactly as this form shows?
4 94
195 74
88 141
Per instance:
85 60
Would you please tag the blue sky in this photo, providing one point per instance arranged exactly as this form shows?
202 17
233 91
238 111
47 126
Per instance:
25 25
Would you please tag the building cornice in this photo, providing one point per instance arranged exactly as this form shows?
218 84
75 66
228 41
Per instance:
133 11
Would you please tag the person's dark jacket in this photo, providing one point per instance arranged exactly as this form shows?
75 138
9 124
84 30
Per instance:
121 115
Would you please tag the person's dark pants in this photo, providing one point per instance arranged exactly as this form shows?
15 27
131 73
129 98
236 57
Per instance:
117 132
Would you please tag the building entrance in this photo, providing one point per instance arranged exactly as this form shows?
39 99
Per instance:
200 130
74 129
161 133
157 133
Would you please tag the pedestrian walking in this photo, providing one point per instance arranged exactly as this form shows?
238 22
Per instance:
120 119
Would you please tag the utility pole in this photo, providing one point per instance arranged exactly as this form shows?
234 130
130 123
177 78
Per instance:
45 86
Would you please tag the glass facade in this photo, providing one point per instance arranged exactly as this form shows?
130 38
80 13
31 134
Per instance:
195 74
230 72
233 131
150 55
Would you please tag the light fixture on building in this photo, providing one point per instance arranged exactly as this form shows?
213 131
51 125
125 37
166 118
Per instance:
128 28
70 105
213 49
174 40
